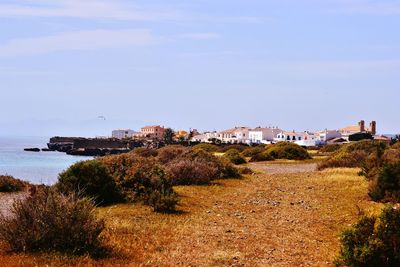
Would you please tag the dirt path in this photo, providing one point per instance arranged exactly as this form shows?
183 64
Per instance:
283 168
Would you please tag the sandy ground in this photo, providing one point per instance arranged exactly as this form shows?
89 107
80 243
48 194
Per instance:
283 168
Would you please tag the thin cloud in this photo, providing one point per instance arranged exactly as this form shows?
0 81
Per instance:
88 9
202 35
363 7
79 40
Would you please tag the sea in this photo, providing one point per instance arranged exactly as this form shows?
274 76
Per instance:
34 167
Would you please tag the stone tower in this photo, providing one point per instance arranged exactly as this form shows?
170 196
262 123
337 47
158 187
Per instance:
372 127
362 126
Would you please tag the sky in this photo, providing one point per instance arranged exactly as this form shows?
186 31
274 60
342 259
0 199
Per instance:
206 64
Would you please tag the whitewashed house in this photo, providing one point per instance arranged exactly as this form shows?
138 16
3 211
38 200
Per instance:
124 133
261 135
205 137
327 135
235 135
300 138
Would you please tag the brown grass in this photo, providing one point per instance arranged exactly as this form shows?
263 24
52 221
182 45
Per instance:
285 219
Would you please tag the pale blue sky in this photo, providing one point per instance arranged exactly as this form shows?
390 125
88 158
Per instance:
206 64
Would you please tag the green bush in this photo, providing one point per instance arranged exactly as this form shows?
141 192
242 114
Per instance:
386 185
227 169
206 147
51 221
262 156
234 156
286 150
358 154
368 146
142 179
372 241
135 176
344 160
252 151
163 200
11 184
91 179
238 147
360 137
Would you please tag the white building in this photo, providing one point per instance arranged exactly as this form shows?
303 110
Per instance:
205 137
263 135
302 138
124 133
235 135
327 135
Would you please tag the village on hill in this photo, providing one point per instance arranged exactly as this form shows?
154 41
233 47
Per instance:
258 135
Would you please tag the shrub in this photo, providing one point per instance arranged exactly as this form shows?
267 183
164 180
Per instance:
252 151
386 186
391 156
330 148
360 136
162 198
135 176
263 156
355 155
199 167
145 152
227 170
234 156
245 170
225 167
142 179
286 150
238 147
206 147
396 145
368 146
89 178
372 241
51 221
169 153
343 160
188 172
11 184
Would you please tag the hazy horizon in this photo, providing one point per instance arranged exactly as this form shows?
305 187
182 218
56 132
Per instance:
211 65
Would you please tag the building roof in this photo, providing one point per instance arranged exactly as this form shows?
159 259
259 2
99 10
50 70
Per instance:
351 129
265 129
152 126
236 129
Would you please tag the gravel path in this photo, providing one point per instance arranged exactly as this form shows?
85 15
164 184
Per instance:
7 199
284 168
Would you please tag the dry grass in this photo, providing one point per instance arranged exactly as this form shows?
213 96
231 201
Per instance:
285 219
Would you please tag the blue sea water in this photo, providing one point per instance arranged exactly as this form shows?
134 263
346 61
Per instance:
35 167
